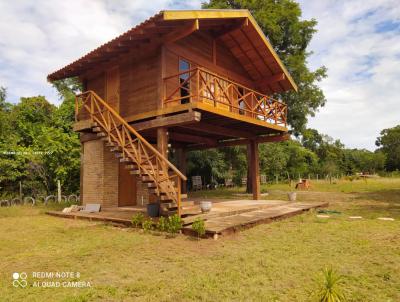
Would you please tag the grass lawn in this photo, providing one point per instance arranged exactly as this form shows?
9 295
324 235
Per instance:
281 261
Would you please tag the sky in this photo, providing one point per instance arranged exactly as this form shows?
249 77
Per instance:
357 40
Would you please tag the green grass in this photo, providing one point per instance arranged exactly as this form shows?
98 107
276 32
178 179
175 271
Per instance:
281 261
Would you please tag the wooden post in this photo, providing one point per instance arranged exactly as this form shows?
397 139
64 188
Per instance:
160 82
181 154
20 191
58 191
249 189
179 196
255 169
162 141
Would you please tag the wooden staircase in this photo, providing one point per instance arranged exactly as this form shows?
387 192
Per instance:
141 159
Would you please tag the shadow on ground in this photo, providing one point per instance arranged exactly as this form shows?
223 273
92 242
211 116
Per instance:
378 203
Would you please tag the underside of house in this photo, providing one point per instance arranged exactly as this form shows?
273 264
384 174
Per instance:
180 81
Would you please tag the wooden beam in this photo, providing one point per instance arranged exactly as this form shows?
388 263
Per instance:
218 130
192 139
180 119
240 142
181 33
272 79
85 137
255 169
239 25
238 117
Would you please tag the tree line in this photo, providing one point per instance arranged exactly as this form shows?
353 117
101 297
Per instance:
38 147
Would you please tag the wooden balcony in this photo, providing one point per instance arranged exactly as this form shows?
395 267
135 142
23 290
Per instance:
219 95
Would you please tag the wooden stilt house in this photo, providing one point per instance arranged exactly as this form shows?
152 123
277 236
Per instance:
182 80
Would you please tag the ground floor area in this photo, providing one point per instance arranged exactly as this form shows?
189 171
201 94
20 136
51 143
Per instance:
225 217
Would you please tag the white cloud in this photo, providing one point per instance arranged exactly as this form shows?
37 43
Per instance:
37 38
357 40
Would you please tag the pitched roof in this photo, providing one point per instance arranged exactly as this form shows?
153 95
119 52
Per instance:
237 29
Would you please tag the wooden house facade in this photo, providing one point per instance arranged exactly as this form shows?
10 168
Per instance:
181 80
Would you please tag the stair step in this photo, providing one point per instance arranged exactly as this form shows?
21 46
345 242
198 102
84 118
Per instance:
147 179
154 191
96 129
134 166
138 172
164 198
110 144
101 134
125 160
115 149
187 203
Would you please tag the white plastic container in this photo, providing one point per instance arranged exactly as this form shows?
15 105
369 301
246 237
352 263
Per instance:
292 196
205 206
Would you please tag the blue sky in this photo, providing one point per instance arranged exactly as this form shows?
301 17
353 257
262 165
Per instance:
358 41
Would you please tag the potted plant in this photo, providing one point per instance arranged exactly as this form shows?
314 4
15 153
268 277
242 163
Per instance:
205 206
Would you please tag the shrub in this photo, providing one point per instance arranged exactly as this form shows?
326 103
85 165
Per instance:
148 225
329 289
199 227
174 224
137 220
162 224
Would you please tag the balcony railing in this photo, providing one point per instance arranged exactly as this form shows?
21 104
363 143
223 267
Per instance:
203 86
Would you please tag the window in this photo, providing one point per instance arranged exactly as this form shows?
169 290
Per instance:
184 81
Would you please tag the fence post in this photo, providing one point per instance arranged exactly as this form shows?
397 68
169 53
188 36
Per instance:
58 191
20 191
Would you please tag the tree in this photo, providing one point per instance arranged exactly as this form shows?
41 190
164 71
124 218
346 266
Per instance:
290 36
209 164
389 143
311 139
37 143
273 159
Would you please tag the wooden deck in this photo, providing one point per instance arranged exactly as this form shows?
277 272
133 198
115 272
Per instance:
231 216
117 215
226 216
